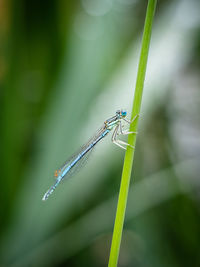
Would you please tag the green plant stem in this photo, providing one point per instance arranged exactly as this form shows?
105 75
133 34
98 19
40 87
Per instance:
126 173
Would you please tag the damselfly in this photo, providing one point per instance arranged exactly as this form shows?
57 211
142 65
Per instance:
79 158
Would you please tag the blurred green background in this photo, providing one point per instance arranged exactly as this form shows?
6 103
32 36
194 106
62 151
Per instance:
65 67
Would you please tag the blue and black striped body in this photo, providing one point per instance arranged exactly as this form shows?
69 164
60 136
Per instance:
69 165
78 159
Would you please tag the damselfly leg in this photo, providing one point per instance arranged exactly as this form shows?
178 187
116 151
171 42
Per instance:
119 131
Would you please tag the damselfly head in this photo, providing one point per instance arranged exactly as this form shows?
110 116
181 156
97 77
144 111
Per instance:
121 113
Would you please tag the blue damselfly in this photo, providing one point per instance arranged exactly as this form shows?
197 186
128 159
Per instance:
79 158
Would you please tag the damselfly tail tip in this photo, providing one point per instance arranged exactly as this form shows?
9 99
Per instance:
45 197
49 192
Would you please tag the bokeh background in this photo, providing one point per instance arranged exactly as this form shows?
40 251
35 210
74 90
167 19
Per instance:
65 67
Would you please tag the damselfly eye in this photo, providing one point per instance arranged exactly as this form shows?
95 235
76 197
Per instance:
123 113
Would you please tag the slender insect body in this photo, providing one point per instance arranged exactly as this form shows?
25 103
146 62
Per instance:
80 157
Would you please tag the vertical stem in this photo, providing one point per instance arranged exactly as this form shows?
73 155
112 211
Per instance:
126 173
